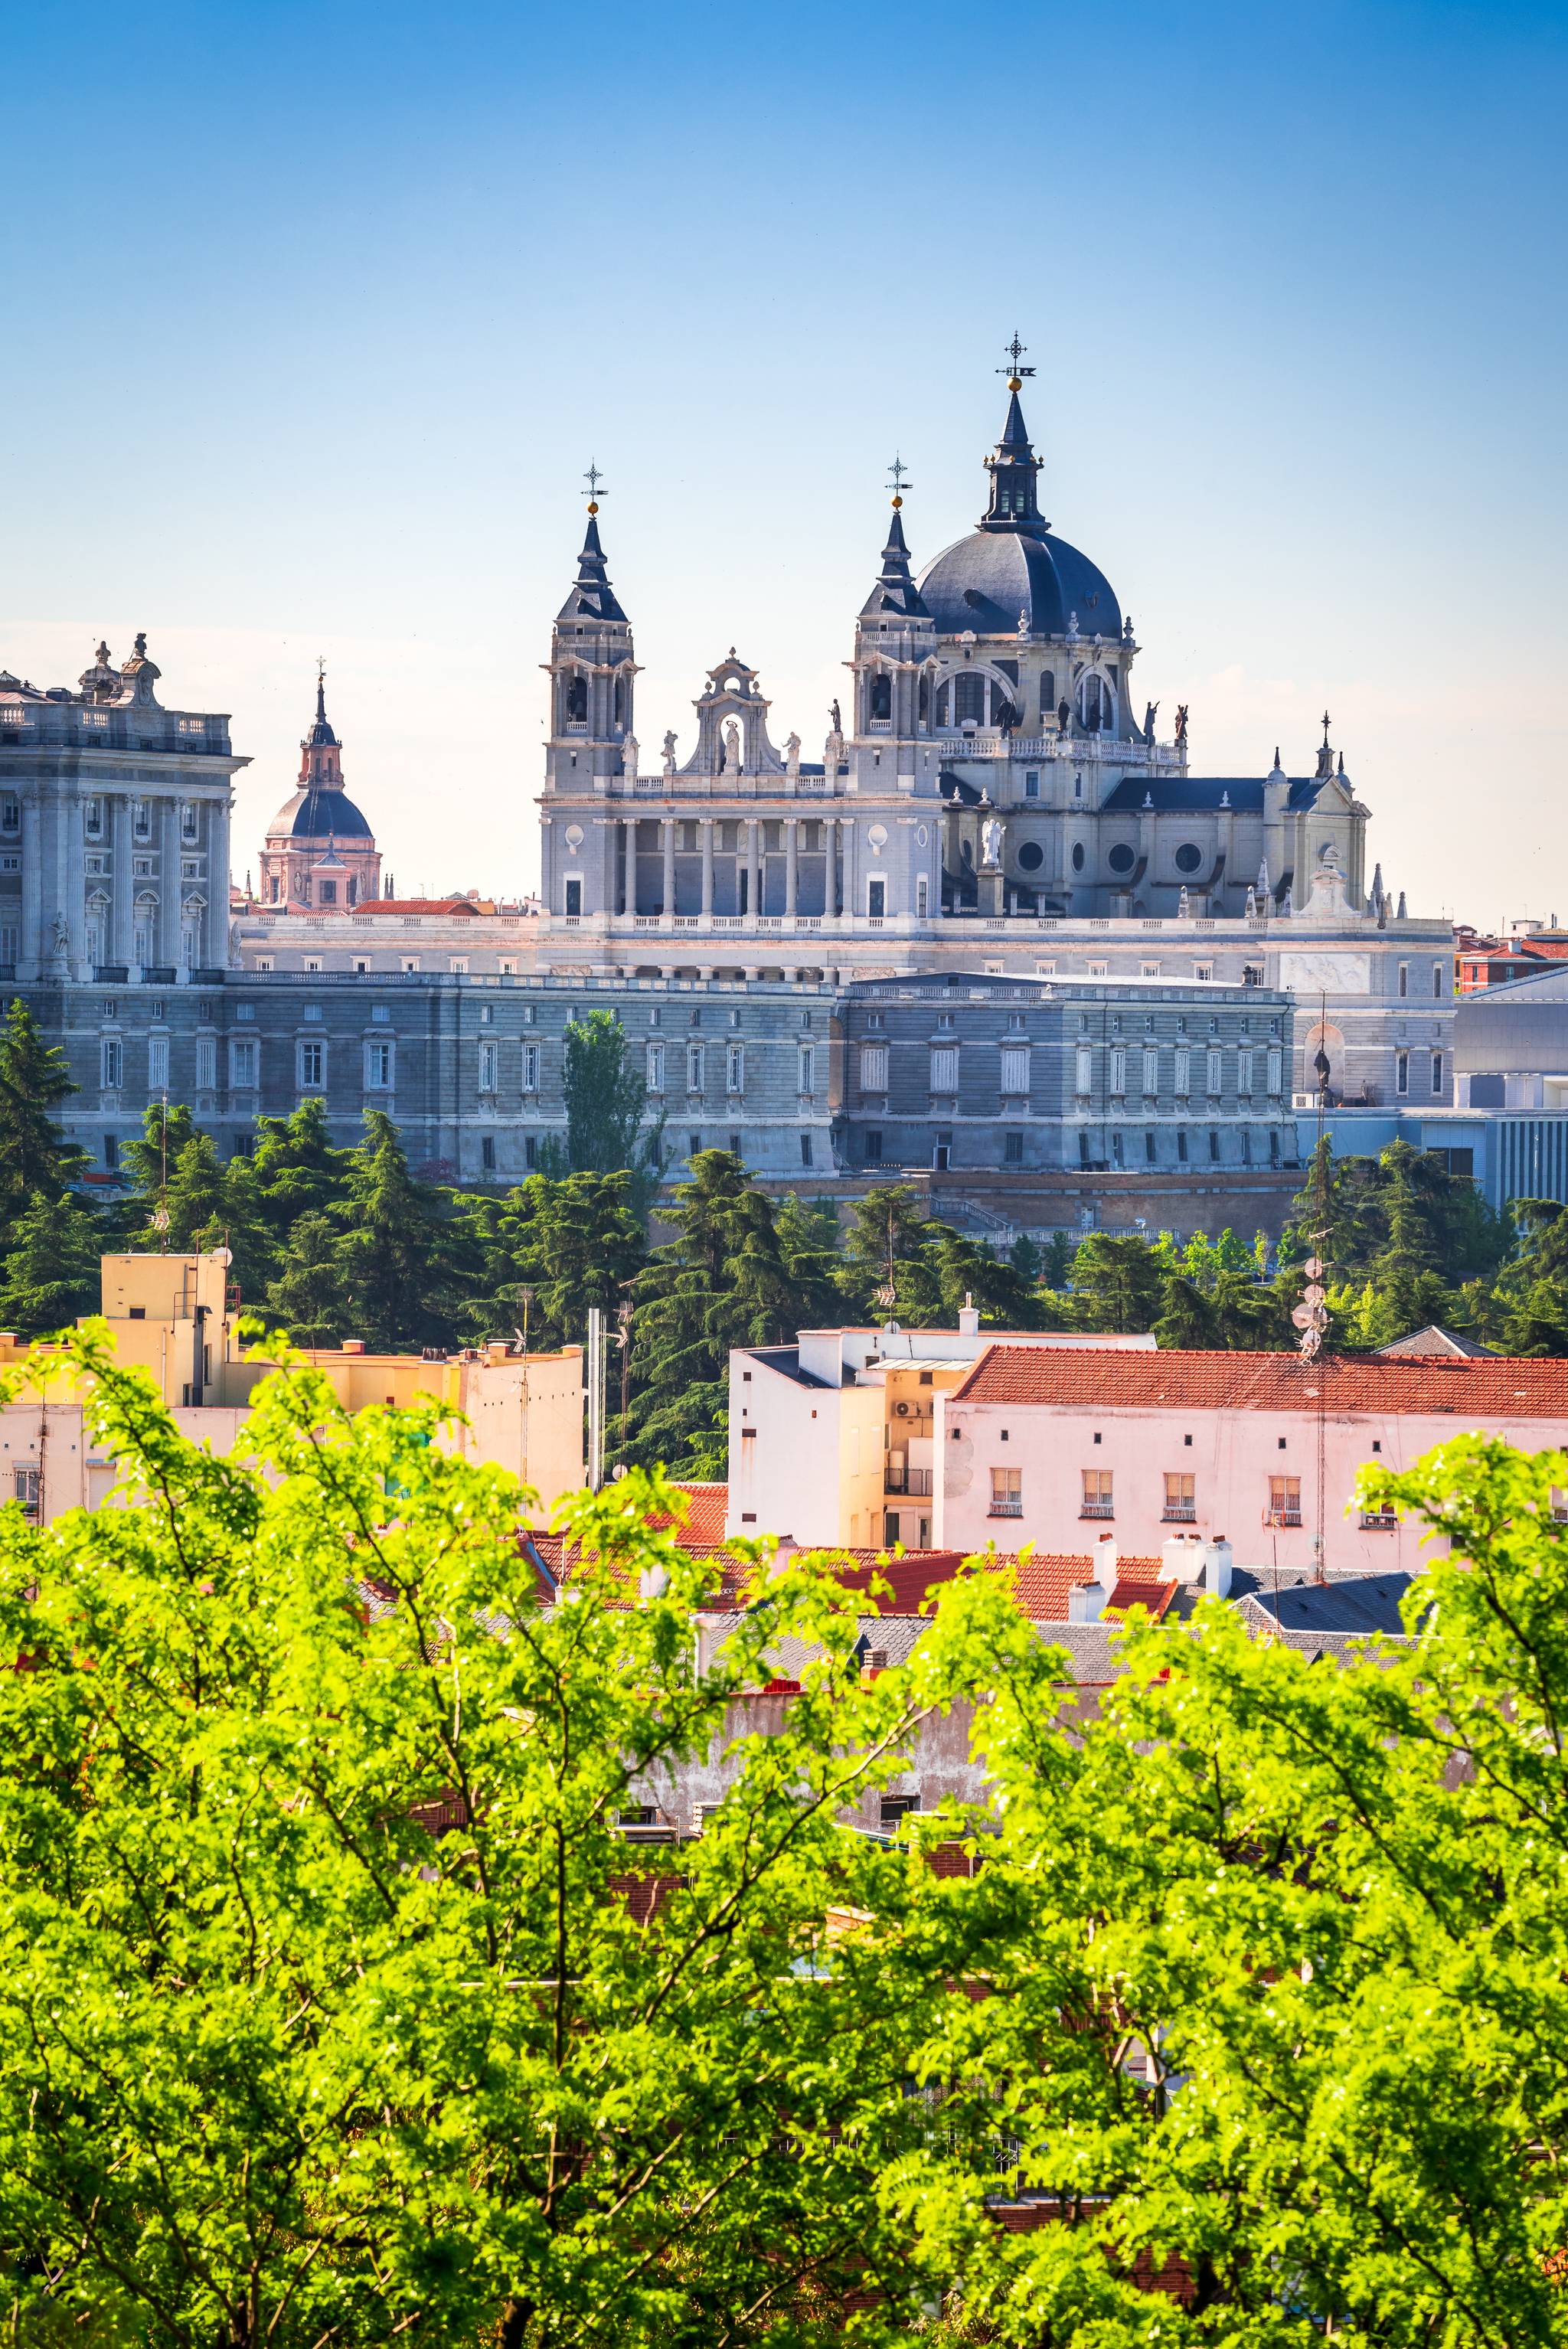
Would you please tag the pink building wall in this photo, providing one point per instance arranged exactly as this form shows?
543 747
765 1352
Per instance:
1230 1455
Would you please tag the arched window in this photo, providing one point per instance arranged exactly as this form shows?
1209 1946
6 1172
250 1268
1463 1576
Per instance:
924 702
191 932
98 908
1096 705
620 701
577 701
882 696
143 927
969 696
944 703
1047 693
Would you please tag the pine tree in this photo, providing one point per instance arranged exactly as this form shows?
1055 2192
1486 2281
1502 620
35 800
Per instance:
575 1242
605 1098
809 1242
888 1226
1115 1284
298 1170
37 1161
1025 1259
308 1298
51 1271
192 1200
394 1256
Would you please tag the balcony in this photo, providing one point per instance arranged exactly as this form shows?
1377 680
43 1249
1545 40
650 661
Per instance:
1379 1521
1006 1509
1180 1513
1098 1509
1273 1517
914 1484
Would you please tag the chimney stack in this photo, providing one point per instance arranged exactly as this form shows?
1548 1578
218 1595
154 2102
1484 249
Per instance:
969 1316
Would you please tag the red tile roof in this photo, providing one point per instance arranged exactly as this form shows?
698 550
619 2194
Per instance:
414 905
1499 1387
1133 1590
708 1506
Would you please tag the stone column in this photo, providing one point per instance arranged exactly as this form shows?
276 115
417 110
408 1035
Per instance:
118 944
217 925
831 866
669 882
754 872
168 938
848 901
706 831
629 864
792 864
32 936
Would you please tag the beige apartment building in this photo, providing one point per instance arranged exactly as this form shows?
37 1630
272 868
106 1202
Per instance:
170 1315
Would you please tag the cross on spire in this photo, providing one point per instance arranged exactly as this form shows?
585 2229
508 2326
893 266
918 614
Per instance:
592 477
1014 352
1326 725
899 473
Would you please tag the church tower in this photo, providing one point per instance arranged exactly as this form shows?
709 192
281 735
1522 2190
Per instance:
319 851
593 747
895 646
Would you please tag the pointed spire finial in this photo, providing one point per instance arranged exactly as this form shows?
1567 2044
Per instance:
899 479
321 689
1014 373
1326 725
1276 757
592 477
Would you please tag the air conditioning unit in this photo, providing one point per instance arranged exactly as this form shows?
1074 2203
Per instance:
903 1409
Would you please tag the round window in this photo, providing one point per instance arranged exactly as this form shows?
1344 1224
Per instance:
1078 857
1189 857
1121 858
1031 856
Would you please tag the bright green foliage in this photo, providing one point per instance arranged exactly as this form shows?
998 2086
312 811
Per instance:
50 1274
607 1098
151 1155
576 1242
1528 1311
324 2016
36 1160
810 1244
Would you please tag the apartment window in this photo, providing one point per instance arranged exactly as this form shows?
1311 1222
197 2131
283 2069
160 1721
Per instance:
694 1069
1012 1150
1083 1079
1180 1498
28 1487
1006 1491
656 1069
1015 1068
489 1067
1437 1073
945 1069
243 1062
531 1068
378 1067
486 1153
10 815
873 1068
806 1159
1401 1072
311 1064
1284 1501
1097 1493
1404 979
807 1068
1215 1072
206 1063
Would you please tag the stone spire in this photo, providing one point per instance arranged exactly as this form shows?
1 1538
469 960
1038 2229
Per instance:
591 597
1015 469
895 596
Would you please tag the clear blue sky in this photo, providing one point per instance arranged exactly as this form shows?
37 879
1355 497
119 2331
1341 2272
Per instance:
315 314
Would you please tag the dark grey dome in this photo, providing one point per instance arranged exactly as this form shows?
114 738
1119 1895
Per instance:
988 578
321 815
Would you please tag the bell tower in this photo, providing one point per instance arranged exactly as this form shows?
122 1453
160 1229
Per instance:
591 671
896 642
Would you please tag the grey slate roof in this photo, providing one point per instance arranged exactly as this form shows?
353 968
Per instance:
1355 1606
1433 1340
1201 794
321 815
986 579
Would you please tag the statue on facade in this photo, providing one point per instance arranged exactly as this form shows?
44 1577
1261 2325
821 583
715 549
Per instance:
629 756
835 717
1181 723
1023 622
1072 628
991 844
669 754
732 745
1064 715
61 951
1150 711
792 753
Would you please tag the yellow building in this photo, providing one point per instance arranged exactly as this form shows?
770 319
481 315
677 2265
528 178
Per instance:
170 1315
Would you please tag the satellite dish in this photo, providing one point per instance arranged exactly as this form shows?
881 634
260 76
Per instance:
225 1256
1312 1293
1313 1268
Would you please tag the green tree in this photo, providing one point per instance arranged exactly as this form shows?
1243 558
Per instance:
51 1269
720 1282
1532 1297
575 1242
1115 1283
325 2013
810 1242
1025 1259
607 1098
298 1169
308 1298
395 1254
37 1161
152 1154
888 1224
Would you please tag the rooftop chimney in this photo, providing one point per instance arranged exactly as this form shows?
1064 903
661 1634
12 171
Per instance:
1087 1601
354 1345
968 1316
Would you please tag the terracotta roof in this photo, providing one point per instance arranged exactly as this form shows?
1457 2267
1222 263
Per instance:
709 1506
1133 1590
1498 1387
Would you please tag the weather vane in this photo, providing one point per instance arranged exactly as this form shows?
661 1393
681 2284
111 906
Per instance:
592 477
899 473
320 668
1013 372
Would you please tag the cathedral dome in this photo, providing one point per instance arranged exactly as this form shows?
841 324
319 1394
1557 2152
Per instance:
319 815
987 579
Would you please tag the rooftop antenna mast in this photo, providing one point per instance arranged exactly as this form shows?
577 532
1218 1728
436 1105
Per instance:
1311 1316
